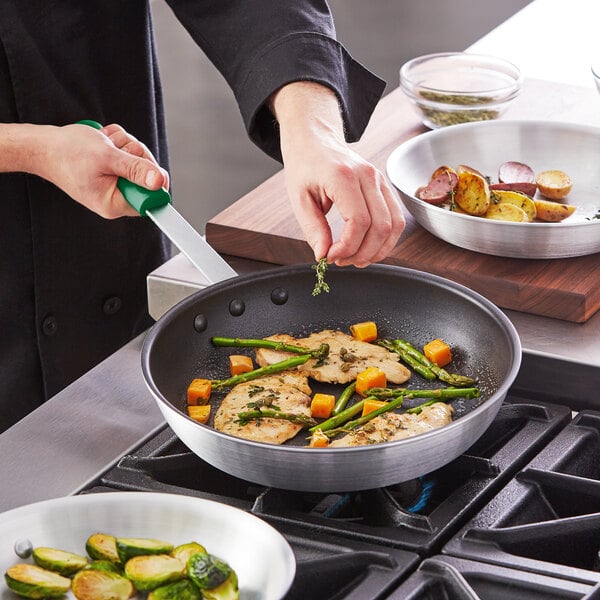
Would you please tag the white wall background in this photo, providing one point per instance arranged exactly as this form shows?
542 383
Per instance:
212 161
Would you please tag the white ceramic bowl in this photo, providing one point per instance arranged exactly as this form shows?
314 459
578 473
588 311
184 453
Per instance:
484 146
458 87
262 559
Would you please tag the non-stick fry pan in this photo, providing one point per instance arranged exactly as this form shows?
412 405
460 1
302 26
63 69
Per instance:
404 303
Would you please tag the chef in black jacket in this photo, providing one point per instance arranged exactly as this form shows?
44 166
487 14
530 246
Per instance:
72 281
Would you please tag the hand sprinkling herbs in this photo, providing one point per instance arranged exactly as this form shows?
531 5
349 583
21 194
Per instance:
320 269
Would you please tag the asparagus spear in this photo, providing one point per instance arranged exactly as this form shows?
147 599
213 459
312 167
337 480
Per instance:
395 403
409 359
408 352
439 394
345 396
340 418
245 417
320 353
278 367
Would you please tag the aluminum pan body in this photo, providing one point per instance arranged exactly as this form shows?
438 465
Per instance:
404 303
261 557
484 146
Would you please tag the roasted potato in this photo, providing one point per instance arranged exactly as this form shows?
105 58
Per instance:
554 185
504 211
553 212
521 200
472 193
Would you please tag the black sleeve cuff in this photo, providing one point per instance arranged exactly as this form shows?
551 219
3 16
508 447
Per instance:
306 57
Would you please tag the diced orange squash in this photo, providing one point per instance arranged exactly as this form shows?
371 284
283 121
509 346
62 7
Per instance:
239 363
199 391
200 413
438 352
365 332
318 440
371 404
322 405
369 378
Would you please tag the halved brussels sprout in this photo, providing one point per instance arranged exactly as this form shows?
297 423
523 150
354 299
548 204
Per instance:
183 589
92 584
153 570
129 547
101 546
59 561
105 565
31 581
184 551
215 578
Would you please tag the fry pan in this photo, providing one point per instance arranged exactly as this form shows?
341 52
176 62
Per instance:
404 303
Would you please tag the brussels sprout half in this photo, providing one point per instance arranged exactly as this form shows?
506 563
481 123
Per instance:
101 546
92 584
184 551
31 581
213 576
129 547
183 589
59 561
152 571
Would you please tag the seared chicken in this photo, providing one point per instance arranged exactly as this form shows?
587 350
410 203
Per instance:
391 426
347 357
287 392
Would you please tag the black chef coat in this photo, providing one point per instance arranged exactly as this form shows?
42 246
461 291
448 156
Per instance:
72 284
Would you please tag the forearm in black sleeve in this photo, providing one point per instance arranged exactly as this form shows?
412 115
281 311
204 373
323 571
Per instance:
260 45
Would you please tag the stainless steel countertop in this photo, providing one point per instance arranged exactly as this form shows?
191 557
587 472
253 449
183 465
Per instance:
64 445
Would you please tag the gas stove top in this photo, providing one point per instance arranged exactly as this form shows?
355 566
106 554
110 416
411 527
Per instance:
520 508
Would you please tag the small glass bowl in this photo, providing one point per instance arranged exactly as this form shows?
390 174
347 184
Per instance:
457 87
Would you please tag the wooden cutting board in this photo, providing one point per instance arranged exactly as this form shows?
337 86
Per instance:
261 225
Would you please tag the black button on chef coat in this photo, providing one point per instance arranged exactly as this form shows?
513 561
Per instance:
73 285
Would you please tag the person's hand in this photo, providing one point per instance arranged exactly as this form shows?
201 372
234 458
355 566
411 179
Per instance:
321 170
86 164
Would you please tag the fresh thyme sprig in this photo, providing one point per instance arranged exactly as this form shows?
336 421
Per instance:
320 270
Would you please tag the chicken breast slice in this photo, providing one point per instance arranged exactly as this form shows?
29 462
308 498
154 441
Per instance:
393 426
347 357
286 392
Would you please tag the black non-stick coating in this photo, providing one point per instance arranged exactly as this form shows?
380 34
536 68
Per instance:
405 304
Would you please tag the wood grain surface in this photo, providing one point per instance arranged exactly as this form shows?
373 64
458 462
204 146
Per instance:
261 225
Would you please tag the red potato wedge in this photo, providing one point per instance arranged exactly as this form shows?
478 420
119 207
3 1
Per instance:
515 172
440 188
522 201
524 187
553 212
554 184
472 193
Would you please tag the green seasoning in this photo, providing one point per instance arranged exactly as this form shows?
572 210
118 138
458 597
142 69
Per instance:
441 117
320 285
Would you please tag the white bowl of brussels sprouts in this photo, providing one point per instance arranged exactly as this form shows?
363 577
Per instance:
163 546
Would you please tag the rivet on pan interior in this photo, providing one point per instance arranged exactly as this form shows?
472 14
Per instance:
200 323
237 308
279 296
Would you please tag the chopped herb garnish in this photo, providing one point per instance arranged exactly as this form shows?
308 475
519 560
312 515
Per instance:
320 269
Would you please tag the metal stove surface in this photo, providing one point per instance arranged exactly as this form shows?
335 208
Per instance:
388 542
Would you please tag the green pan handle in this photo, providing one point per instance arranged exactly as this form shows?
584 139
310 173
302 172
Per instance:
140 198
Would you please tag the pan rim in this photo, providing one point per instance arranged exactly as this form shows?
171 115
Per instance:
481 301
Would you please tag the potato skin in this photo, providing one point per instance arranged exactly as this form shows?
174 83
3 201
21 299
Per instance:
554 184
472 193
521 200
504 211
553 212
